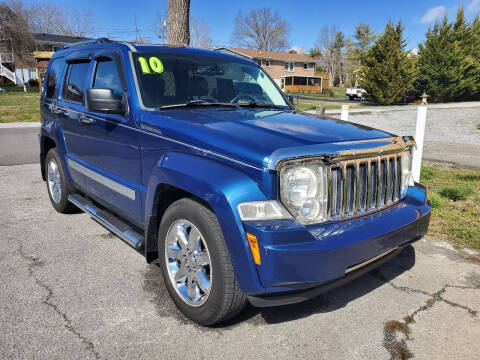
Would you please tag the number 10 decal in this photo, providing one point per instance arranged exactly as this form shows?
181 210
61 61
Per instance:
153 64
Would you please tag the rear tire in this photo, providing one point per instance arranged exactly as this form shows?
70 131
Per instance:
222 298
57 185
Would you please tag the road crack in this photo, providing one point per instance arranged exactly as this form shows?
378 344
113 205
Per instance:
397 333
34 261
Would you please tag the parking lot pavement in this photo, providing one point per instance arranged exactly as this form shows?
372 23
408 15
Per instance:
72 290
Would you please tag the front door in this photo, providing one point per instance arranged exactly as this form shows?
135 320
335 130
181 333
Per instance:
107 151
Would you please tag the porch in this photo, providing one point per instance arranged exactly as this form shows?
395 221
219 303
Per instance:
303 84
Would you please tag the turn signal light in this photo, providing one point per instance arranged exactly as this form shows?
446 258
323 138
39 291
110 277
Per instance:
252 241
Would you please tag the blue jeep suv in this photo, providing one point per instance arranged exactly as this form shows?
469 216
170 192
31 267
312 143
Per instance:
200 162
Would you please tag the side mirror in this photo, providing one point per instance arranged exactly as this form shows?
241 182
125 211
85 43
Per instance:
104 101
290 98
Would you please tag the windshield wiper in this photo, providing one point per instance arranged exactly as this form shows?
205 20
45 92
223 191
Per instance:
199 102
264 105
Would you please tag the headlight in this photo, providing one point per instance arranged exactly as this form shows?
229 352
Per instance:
407 177
304 191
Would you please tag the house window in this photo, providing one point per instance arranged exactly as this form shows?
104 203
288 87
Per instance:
305 66
289 66
259 62
282 83
267 63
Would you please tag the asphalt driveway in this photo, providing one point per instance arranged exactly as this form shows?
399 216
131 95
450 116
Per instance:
72 290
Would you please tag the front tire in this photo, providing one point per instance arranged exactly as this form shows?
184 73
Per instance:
196 265
57 186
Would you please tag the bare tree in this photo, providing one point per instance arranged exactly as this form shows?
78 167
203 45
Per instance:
49 18
199 33
262 30
178 22
78 23
15 36
329 47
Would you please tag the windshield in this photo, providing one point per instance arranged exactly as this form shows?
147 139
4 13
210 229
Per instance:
170 79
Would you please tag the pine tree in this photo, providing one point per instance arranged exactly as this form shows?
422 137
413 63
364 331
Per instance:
449 60
388 70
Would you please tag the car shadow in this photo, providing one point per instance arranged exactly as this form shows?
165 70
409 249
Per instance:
331 301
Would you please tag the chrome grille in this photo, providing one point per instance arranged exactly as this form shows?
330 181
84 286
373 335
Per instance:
363 185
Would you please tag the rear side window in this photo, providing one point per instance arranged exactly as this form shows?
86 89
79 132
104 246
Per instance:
54 76
76 81
106 77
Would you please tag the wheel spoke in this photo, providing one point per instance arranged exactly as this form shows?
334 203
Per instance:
174 253
192 288
193 239
181 272
202 281
203 258
182 236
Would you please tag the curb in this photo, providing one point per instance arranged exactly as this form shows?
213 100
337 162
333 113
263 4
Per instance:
20 125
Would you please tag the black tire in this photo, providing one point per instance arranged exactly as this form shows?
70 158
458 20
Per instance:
62 205
351 98
225 299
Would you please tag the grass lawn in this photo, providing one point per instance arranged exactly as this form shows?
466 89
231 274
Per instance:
455 196
338 91
305 105
17 106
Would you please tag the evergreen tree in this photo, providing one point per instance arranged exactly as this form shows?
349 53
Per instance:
388 70
449 60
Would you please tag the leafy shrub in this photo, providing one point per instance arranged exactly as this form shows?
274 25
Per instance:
33 83
455 193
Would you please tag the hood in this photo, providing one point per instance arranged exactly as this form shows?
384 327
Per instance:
255 135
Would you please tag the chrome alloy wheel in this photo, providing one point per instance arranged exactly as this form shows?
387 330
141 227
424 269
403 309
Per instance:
188 262
54 182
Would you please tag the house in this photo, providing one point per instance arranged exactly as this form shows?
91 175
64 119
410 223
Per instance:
293 72
19 68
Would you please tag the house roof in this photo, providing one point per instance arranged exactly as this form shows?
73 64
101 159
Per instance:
260 54
58 39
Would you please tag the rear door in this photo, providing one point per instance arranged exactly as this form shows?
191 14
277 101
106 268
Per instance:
70 106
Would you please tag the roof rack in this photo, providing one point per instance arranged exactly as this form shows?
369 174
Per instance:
88 42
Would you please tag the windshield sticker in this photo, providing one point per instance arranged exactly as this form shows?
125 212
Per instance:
154 64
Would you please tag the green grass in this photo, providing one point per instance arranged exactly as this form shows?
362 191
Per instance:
456 193
478 126
339 93
17 106
455 196
304 105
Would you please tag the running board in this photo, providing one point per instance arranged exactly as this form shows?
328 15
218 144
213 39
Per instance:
108 220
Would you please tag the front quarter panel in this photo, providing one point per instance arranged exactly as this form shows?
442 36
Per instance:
222 187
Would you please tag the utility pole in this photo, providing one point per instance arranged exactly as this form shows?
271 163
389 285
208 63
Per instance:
137 33
164 27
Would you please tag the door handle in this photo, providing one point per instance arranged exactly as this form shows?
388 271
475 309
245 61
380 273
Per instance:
86 120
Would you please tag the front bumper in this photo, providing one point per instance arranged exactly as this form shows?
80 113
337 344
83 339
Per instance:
301 262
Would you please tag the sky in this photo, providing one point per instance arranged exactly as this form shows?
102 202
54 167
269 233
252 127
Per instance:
116 18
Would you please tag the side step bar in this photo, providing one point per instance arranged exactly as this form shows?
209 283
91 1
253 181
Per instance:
108 220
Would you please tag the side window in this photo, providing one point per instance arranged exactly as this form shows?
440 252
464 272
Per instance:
106 77
54 76
76 81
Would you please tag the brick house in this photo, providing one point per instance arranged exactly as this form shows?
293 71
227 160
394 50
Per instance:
293 72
